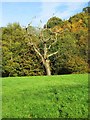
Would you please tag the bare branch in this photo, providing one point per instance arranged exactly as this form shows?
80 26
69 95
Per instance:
53 42
31 20
37 51
45 51
47 39
49 46
33 44
52 54
39 54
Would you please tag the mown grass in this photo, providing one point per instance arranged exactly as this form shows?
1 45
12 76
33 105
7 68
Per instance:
64 96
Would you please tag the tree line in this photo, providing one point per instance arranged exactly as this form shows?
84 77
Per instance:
60 47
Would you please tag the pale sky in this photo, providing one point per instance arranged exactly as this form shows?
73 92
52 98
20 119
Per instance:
24 12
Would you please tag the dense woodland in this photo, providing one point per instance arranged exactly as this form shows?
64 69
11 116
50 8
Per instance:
65 42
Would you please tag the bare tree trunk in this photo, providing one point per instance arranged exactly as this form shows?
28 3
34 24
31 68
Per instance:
45 56
47 67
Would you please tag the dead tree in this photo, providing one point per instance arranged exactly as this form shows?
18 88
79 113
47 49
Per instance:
45 57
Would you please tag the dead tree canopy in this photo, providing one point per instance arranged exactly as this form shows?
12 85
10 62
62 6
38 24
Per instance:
45 37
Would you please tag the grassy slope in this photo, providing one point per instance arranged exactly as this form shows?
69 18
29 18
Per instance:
50 97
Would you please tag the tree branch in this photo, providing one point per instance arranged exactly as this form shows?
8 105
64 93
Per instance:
39 54
49 46
53 42
45 51
52 54
37 51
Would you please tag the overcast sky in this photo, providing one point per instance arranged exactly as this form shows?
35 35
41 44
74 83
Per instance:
24 12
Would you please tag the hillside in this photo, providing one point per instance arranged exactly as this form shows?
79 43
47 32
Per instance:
76 23
21 59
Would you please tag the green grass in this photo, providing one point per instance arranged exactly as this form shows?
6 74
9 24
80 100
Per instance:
64 96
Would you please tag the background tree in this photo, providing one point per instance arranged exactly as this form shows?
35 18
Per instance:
61 47
53 22
73 43
18 58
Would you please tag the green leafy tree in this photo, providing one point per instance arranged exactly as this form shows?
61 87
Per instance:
53 22
66 61
18 58
60 47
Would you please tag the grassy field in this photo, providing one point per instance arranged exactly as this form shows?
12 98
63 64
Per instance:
64 96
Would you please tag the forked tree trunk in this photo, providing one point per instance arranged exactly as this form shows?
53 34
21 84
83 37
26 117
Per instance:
45 56
47 67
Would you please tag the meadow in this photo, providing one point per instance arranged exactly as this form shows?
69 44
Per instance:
62 96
